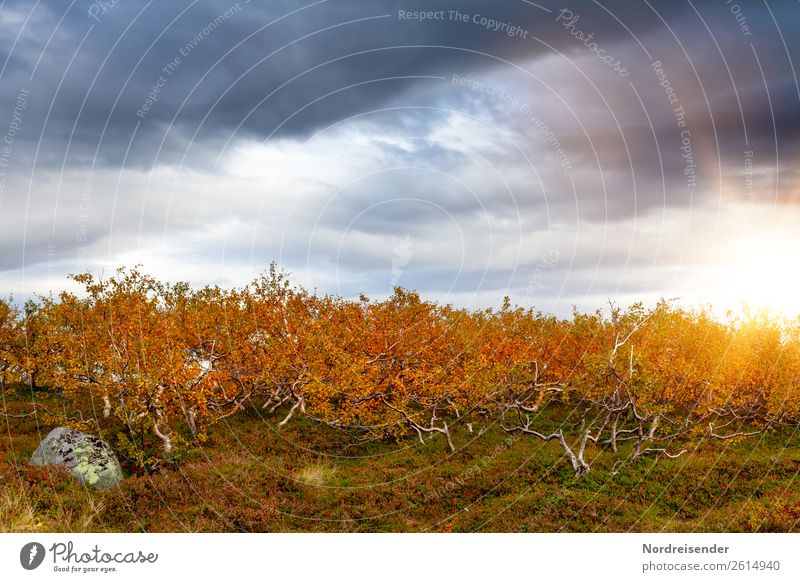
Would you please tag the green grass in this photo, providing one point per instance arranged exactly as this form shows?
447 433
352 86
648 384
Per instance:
251 477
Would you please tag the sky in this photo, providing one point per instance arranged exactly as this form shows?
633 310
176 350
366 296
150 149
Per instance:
559 153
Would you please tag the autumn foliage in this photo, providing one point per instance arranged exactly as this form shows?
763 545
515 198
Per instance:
160 363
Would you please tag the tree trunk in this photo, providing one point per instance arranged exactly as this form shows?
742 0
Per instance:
644 437
446 432
578 464
166 442
106 404
300 404
614 427
191 415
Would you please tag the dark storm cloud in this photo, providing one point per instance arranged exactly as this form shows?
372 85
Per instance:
94 65
149 85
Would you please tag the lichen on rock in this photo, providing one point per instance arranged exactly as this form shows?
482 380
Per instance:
88 458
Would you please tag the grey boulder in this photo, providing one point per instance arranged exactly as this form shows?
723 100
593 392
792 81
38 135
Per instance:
90 460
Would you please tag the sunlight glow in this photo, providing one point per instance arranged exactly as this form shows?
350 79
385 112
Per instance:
763 273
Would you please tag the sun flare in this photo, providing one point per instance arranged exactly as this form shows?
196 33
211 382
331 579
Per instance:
762 273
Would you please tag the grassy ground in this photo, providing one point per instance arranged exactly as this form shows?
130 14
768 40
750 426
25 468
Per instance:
250 477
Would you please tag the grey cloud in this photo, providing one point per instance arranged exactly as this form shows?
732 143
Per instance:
227 81
92 75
